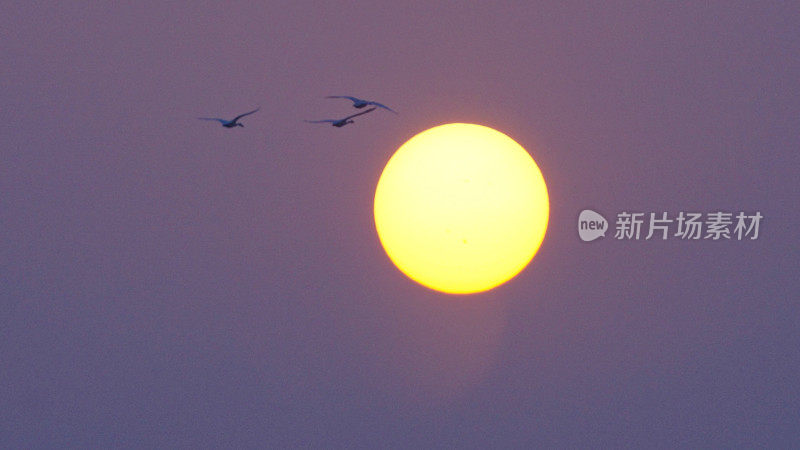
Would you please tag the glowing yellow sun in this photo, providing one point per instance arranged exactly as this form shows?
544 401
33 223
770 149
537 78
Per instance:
461 208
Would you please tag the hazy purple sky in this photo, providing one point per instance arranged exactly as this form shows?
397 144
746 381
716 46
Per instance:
165 282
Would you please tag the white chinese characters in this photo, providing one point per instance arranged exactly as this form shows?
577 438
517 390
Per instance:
715 226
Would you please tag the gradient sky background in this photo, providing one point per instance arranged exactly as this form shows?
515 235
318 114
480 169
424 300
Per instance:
166 282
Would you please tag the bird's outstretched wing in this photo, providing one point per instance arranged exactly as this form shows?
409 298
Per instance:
246 114
359 114
319 121
383 106
353 99
213 118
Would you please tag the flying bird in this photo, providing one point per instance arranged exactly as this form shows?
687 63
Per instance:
361 103
230 123
341 122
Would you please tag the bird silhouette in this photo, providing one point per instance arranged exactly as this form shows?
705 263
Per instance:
341 122
361 103
230 123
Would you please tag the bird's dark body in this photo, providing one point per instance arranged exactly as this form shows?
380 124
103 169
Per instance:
230 123
359 103
341 122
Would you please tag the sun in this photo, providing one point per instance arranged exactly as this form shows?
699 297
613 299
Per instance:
461 208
